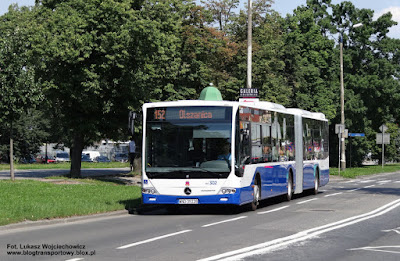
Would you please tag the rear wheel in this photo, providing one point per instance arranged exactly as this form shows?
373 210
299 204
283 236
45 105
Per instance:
290 189
316 182
256 195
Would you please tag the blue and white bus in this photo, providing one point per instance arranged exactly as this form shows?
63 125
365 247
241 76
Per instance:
231 152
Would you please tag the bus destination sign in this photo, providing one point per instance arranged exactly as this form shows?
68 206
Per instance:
188 113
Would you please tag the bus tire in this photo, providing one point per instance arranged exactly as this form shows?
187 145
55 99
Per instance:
290 189
316 182
256 194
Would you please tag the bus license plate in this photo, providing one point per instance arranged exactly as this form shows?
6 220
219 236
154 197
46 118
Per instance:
188 201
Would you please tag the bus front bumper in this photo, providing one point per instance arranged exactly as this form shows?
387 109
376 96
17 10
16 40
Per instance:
193 200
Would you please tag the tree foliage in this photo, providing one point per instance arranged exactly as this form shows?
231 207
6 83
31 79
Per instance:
95 60
19 93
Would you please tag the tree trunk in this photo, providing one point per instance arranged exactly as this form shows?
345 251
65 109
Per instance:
76 155
12 150
12 159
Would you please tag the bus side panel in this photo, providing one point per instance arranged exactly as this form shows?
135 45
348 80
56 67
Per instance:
267 176
274 180
308 175
324 172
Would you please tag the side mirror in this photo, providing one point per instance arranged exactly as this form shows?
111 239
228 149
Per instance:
239 170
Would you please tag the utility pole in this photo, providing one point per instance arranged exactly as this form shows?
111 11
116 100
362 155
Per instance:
342 139
249 42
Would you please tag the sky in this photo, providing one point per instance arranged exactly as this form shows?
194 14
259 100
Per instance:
287 6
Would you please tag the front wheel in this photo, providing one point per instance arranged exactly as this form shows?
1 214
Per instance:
256 195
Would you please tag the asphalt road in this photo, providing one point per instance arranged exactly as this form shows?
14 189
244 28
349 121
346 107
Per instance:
348 220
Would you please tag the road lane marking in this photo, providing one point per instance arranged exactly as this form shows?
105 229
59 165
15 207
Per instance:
354 190
384 181
334 194
396 230
273 210
370 186
75 259
153 239
367 181
305 201
379 249
224 221
266 247
351 181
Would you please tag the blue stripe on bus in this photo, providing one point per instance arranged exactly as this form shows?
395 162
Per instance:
242 196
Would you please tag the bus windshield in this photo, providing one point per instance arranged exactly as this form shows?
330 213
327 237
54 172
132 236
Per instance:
188 142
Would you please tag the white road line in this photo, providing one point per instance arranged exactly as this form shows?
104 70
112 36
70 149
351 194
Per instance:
74 259
305 201
266 247
224 221
384 181
379 249
367 181
370 186
354 190
153 239
351 181
273 210
395 230
334 194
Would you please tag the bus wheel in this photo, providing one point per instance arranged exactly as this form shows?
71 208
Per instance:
316 182
256 195
289 194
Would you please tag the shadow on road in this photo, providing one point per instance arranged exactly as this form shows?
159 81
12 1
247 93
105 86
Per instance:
155 210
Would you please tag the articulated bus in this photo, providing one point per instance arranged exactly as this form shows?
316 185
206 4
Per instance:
231 152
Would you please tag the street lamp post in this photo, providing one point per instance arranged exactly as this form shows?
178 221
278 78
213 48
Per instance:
342 139
249 43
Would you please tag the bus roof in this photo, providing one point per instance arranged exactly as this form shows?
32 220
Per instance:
264 105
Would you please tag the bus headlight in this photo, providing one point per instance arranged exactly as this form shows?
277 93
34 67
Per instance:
151 191
227 191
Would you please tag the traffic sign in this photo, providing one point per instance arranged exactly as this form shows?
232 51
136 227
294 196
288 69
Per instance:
385 139
383 128
356 134
339 128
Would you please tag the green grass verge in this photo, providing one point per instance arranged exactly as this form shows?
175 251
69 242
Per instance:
66 165
366 170
34 200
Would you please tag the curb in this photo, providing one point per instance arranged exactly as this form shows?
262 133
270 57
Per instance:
67 220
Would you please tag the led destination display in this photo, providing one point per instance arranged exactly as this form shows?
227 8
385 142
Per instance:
189 113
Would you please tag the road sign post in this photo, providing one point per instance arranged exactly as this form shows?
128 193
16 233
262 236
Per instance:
340 129
383 138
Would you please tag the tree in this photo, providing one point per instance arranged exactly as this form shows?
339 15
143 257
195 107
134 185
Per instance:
222 11
310 60
83 61
371 66
98 60
18 91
